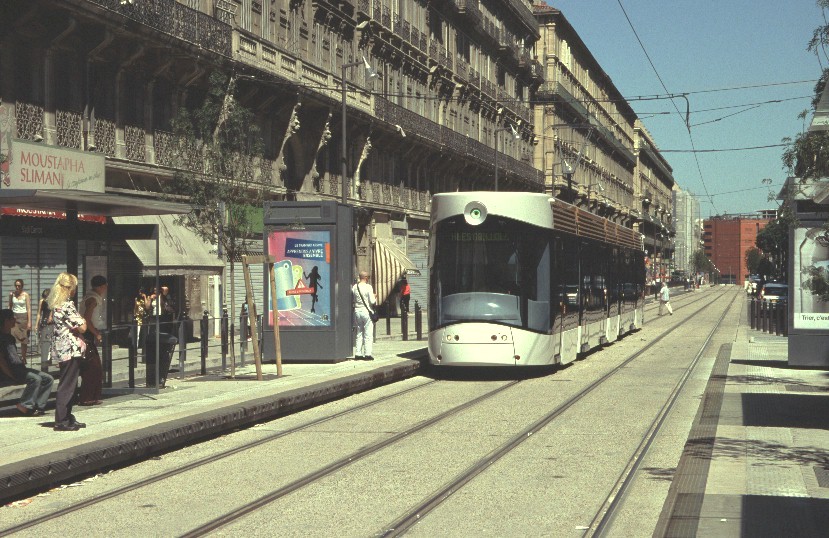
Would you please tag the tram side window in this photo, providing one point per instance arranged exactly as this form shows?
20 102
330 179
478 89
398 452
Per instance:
569 274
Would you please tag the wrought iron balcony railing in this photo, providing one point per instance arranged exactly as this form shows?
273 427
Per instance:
177 20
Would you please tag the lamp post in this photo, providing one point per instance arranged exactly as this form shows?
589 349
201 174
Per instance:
515 135
371 74
567 169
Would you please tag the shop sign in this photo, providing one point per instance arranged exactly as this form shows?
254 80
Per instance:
43 214
40 167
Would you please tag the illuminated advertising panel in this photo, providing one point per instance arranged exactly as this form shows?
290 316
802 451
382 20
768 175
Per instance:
811 276
302 272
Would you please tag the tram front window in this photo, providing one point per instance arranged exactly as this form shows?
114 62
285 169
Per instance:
498 272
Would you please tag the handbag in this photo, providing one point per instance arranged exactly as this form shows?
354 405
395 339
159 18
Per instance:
371 313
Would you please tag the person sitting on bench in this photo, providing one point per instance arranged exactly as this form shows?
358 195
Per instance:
38 384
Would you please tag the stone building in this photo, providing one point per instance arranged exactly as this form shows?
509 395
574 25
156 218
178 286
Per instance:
686 219
437 93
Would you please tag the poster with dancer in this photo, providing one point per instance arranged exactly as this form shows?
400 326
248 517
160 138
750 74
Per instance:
303 277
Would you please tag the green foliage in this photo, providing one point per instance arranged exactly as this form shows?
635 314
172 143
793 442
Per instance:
773 240
700 263
218 150
753 258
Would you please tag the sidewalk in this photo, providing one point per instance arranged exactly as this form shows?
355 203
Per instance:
134 426
757 459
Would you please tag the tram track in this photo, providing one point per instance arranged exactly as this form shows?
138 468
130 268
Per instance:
610 507
406 521
339 464
205 461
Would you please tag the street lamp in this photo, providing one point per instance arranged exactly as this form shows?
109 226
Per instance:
371 74
568 169
515 135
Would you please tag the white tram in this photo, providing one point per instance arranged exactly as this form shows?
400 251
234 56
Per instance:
524 279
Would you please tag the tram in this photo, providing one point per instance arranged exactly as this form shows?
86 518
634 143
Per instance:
522 279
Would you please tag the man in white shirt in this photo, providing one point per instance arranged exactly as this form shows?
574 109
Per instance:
665 299
364 304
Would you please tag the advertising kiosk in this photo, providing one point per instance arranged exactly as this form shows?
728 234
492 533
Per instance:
311 244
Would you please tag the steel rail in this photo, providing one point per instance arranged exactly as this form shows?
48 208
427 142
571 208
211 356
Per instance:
201 462
234 515
408 520
606 514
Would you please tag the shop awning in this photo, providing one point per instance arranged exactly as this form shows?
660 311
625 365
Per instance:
180 250
92 203
389 266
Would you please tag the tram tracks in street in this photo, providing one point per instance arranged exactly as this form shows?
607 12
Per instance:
150 480
312 477
406 521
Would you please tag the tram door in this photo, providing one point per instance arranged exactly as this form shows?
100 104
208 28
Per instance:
566 271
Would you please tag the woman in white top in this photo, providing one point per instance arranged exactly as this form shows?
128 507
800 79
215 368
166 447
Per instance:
21 304
364 304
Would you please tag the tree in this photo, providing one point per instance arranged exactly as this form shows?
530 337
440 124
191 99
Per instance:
700 263
219 152
753 257
773 240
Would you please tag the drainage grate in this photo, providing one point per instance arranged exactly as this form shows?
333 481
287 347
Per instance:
822 475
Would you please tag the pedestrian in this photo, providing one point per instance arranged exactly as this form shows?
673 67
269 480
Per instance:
162 305
665 299
38 384
44 328
139 312
67 348
405 294
92 310
21 304
364 304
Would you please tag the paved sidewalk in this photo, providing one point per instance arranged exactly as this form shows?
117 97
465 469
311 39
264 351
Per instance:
757 459
130 427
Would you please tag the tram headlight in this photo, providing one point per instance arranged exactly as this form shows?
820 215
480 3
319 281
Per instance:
474 213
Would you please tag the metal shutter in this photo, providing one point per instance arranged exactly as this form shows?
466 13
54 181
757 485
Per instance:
418 252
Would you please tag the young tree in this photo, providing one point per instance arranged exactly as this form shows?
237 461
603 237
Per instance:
219 153
700 263
753 257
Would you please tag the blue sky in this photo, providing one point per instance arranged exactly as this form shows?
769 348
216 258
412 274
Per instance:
710 45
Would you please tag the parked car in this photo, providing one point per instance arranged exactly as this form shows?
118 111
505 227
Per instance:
774 292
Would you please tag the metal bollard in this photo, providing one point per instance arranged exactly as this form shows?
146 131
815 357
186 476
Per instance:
224 329
752 316
388 319
418 321
203 329
404 325
243 336
778 319
182 350
106 357
764 314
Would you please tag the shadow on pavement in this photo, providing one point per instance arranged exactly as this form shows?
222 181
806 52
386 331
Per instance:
786 411
784 516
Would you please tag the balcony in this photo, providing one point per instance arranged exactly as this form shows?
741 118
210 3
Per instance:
471 9
411 122
177 20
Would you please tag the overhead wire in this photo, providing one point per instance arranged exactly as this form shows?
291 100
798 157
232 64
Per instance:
664 87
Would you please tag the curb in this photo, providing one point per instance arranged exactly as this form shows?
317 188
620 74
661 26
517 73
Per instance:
41 472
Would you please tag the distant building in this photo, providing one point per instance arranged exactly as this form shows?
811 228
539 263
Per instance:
727 238
686 220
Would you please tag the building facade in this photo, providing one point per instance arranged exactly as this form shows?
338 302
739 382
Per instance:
726 240
653 189
686 218
448 88
585 127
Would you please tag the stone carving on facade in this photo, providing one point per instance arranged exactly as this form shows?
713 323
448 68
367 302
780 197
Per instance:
292 129
367 147
326 136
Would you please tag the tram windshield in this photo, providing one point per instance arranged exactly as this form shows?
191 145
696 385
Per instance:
498 271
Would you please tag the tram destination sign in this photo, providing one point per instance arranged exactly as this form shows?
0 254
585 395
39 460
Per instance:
40 167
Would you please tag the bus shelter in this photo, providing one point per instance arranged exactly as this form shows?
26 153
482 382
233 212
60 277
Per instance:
71 229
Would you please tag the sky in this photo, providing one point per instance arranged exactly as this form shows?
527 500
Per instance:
701 45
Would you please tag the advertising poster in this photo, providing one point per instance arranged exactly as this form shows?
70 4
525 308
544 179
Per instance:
302 272
811 273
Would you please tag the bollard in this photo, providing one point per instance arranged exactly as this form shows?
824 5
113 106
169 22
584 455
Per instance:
243 335
752 316
224 338
778 318
764 316
404 325
388 319
203 328
132 358
785 315
418 321
182 350
106 357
